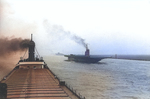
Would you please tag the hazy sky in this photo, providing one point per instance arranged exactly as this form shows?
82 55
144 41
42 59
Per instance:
108 26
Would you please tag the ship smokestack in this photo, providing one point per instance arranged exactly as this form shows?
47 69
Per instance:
31 50
87 52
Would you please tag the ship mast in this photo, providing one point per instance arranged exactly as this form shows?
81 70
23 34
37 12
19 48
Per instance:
31 37
31 50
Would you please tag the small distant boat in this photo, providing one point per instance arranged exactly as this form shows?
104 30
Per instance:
59 53
84 58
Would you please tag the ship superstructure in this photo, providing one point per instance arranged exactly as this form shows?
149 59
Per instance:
32 79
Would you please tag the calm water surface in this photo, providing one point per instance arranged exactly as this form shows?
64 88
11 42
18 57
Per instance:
108 79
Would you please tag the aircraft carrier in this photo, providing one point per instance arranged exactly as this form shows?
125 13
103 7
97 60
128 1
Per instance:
33 79
86 58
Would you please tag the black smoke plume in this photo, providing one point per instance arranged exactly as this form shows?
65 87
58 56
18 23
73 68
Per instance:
12 45
12 48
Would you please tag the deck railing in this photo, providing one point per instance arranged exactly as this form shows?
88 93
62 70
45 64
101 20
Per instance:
68 86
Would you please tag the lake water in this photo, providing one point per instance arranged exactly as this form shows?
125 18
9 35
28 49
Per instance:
108 79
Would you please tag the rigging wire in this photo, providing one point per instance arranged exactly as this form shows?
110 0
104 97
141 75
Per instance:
25 53
37 52
27 50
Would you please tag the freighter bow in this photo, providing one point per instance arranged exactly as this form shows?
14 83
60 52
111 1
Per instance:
32 79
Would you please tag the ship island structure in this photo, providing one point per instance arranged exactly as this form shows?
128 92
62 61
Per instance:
33 79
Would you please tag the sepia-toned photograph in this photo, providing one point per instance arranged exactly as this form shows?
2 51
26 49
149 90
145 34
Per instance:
74 49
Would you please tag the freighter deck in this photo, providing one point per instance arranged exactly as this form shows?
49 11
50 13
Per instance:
35 84
32 79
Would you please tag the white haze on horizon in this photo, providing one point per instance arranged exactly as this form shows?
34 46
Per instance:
107 26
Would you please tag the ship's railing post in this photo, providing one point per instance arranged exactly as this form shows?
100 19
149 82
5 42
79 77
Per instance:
3 91
62 83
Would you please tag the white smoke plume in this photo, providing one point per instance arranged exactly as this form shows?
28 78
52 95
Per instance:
57 32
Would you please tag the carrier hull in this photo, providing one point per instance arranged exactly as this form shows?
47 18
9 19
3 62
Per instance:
84 59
